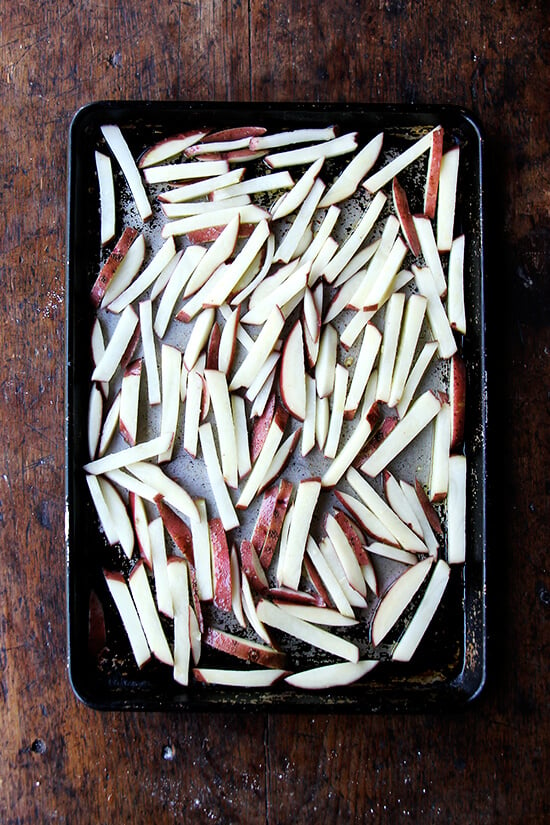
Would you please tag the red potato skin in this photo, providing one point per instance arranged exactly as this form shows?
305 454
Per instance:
458 401
235 133
401 204
241 649
263 520
213 347
283 595
428 508
387 425
261 428
200 236
111 264
317 583
177 529
195 595
131 348
222 565
252 568
432 181
183 539
276 523
363 526
234 156
351 531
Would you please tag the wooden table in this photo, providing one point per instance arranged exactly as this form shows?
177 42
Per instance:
64 763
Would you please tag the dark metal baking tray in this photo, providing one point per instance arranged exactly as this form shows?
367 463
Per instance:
448 670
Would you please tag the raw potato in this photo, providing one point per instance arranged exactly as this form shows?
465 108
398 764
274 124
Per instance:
263 355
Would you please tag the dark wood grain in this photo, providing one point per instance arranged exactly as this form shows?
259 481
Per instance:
64 763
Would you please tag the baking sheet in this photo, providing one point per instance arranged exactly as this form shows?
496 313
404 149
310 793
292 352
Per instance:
449 667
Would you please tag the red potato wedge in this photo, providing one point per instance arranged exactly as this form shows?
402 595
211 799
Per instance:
263 520
252 568
236 588
235 133
456 307
432 175
202 553
201 188
223 500
280 459
446 201
396 599
150 474
276 523
389 422
354 536
111 264
213 348
398 164
245 649
163 594
261 466
129 401
195 636
424 410
316 580
107 204
249 608
292 374
311 634
221 565
411 638
391 521
140 589
357 169
329 676
307 495
177 529
429 510
221 404
239 678
457 400
399 503
178 585
170 147
95 420
141 527
456 509
261 428
154 269
401 206
211 233
122 153
346 555
284 595
130 619
308 154
320 570
177 172
293 137
233 156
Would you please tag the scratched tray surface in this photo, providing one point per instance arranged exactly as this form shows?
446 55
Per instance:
448 667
